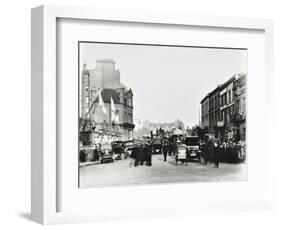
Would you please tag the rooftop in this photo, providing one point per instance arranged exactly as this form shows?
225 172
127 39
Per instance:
107 94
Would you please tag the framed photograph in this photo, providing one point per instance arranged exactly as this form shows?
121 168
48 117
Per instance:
138 115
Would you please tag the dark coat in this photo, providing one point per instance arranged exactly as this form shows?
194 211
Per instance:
82 155
134 153
216 154
141 154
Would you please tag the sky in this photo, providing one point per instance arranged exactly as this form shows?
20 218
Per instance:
168 83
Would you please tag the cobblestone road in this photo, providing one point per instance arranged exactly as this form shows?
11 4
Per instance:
123 172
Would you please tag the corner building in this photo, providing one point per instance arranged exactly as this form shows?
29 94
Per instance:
104 80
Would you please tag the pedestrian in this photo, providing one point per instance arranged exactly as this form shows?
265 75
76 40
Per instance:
141 154
243 151
96 155
204 152
165 150
132 157
209 151
231 150
148 155
224 152
82 155
170 147
135 156
216 153
236 153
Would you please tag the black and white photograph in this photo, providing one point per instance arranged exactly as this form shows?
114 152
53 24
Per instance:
158 114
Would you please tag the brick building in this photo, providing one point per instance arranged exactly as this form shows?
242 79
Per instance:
214 112
227 108
223 110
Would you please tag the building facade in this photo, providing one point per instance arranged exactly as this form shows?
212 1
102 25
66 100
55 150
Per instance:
227 108
205 115
223 110
106 102
214 112
239 115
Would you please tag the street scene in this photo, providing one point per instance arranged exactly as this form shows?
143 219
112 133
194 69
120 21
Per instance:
151 119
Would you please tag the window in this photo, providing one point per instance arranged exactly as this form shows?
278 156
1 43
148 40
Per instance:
215 101
130 118
238 106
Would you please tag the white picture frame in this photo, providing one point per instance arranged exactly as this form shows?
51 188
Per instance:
44 179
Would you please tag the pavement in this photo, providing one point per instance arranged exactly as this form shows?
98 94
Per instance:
123 172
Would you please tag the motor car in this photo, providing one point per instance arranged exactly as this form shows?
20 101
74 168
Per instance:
118 149
193 151
106 153
181 154
156 145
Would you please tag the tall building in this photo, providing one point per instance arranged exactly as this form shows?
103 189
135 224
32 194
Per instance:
223 110
94 80
107 102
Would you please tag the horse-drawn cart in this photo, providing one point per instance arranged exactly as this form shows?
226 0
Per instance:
181 154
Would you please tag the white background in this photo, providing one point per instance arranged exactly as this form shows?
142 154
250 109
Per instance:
15 113
70 32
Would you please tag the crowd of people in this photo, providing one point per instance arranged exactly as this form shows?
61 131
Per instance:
142 153
223 151
211 151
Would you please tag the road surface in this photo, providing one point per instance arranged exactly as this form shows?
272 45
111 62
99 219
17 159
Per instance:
123 172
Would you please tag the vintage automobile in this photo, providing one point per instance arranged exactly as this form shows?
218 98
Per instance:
192 147
106 153
181 154
156 145
118 149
